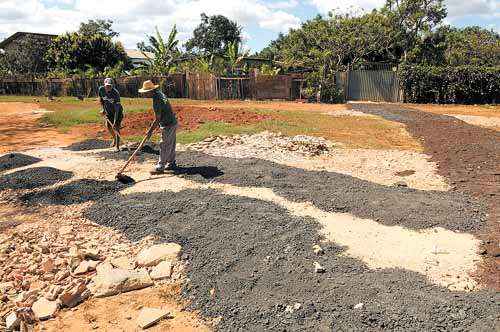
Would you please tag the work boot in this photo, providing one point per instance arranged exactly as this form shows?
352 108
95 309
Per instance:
159 169
172 166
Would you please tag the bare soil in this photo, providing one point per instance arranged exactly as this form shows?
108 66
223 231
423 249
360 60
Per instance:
20 130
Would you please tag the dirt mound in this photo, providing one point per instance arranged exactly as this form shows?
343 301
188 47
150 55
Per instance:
257 262
79 191
15 160
32 178
191 118
89 144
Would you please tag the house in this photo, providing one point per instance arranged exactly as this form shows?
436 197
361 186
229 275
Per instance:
138 58
13 40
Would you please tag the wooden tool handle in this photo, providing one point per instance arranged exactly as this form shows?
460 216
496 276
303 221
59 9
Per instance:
113 128
148 136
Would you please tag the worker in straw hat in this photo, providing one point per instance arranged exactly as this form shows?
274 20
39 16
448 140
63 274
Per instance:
167 121
112 109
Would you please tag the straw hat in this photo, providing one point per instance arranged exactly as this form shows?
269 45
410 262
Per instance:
148 86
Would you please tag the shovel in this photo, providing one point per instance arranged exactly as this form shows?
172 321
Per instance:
125 178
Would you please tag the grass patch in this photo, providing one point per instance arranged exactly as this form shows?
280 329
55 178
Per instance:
212 129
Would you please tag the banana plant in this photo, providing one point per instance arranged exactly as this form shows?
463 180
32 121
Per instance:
164 52
235 56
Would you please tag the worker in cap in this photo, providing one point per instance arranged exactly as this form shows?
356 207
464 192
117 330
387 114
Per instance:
167 122
112 110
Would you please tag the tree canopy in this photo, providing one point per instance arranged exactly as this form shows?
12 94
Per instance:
26 56
74 51
213 35
98 27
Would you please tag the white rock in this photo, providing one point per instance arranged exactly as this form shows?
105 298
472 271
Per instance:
318 268
161 271
86 266
150 316
359 306
65 230
155 254
12 322
44 309
115 281
317 249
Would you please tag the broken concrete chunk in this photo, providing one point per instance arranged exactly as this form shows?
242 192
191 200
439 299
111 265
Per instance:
12 322
73 296
122 262
153 255
150 316
115 281
86 266
44 309
162 271
318 268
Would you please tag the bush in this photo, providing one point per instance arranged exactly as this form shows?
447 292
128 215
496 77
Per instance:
450 85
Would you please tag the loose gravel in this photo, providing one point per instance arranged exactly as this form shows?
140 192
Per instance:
75 192
90 144
15 160
334 192
251 263
32 178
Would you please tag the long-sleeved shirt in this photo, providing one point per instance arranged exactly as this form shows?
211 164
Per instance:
163 110
110 99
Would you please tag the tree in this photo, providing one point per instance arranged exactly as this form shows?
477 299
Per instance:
26 56
472 46
78 52
213 35
274 49
165 53
411 19
97 27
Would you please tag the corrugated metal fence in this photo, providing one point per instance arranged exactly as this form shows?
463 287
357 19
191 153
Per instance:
370 85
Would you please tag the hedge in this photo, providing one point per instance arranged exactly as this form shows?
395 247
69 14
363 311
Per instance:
450 85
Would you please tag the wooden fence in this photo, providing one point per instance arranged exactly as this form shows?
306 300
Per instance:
372 85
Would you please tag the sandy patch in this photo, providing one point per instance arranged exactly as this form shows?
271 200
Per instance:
379 166
483 121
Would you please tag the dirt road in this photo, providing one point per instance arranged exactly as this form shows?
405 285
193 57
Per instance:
20 130
467 156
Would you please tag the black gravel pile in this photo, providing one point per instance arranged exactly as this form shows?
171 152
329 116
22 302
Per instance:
32 178
89 144
75 192
258 259
15 160
336 192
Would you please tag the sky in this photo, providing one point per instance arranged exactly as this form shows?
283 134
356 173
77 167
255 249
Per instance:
261 20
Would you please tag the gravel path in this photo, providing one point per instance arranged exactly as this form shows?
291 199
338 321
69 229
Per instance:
32 178
90 144
258 260
468 157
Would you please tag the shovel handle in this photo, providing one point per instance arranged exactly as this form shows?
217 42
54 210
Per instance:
148 136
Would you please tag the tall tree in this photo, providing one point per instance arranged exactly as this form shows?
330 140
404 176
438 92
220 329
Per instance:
98 27
74 51
411 19
26 56
213 35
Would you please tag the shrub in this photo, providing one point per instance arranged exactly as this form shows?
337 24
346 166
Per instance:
449 85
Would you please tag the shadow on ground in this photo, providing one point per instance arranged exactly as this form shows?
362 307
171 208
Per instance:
259 260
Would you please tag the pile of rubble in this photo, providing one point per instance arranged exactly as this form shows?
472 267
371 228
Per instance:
262 145
45 270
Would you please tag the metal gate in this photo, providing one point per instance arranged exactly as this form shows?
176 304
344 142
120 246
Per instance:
369 85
